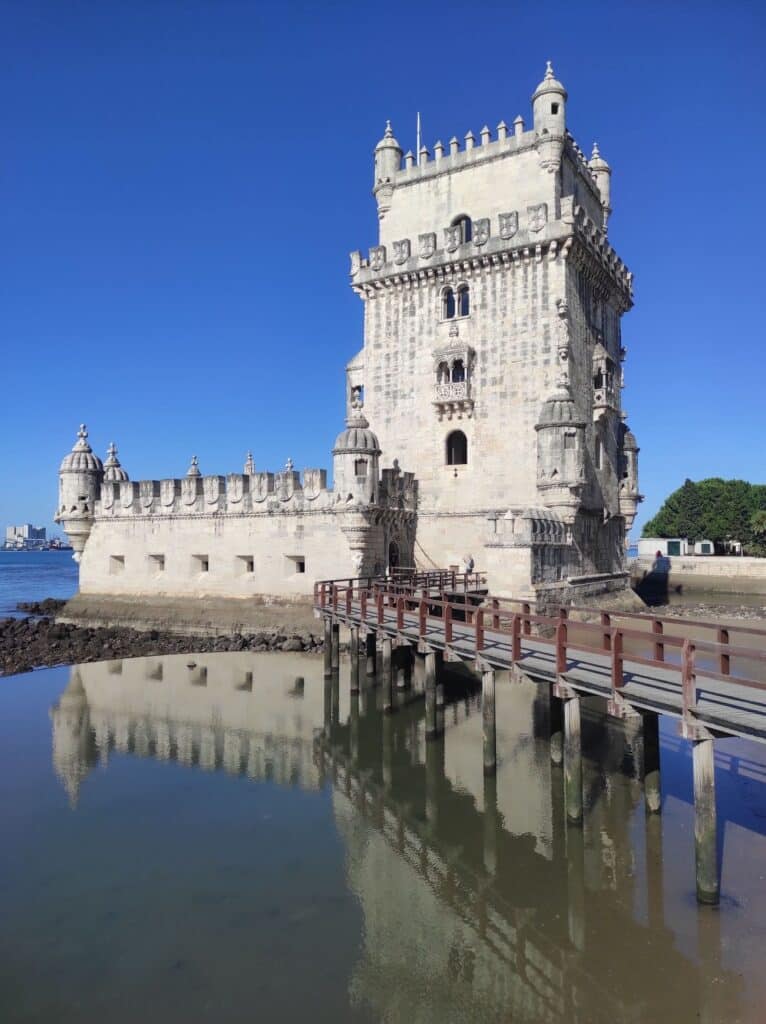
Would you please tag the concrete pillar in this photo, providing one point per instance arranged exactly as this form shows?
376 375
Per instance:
488 721
705 826
327 650
335 647
354 652
573 761
430 690
370 641
388 687
651 767
556 729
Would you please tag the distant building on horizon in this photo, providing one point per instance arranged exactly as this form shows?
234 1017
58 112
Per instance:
25 536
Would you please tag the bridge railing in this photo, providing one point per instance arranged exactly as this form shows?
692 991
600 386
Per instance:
431 599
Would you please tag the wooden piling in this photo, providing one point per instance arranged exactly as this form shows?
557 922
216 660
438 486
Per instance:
573 761
705 825
388 679
430 691
354 655
335 647
327 650
488 721
556 728
370 642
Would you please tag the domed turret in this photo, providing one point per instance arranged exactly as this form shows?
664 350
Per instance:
629 495
561 453
388 160
602 172
112 469
80 477
355 461
549 116
72 757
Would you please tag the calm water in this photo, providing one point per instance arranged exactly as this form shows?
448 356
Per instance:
33 576
228 837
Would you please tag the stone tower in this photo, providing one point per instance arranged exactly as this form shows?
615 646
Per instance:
492 349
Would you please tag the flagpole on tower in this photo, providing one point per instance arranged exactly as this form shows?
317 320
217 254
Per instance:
417 143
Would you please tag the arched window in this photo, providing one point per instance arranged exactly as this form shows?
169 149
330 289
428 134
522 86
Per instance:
442 375
458 371
457 448
463 301
466 228
448 304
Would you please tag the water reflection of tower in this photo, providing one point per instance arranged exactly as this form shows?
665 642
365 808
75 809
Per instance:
74 750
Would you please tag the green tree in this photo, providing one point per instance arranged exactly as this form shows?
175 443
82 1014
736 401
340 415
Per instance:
714 509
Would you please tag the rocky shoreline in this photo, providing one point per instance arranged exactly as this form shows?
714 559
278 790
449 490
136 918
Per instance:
39 641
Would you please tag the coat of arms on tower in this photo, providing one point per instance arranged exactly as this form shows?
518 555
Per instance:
212 486
107 494
453 237
402 251
189 489
314 480
377 257
261 485
146 489
235 488
284 485
427 245
538 216
481 231
127 493
509 224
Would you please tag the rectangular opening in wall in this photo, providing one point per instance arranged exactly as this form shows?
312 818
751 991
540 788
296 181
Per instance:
200 563
245 563
116 564
295 564
157 563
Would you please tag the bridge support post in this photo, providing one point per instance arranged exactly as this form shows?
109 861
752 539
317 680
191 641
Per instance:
403 668
573 760
388 752
434 774
388 679
335 646
576 887
430 690
353 732
370 642
354 652
327 649
488 721
651 766
490 824
556 728
705 826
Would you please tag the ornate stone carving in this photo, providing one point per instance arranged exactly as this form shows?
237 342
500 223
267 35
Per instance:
538 216
356 263
107 494
127 493
427 245
212 488
235 488
509 224
453 237
402 251
189 490
261 485
167 492
481 231
562 339
314 482
146 492
377 257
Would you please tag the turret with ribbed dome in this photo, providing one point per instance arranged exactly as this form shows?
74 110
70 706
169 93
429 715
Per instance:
356 456
549 115
561 452
388 160
80 477
602 172
113 470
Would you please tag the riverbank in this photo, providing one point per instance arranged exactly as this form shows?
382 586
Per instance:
39 641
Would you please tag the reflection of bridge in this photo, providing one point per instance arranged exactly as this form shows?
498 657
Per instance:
518 921
642 665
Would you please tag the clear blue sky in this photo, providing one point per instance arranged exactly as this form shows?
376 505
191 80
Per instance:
181 182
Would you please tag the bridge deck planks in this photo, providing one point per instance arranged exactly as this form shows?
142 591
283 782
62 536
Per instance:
727 707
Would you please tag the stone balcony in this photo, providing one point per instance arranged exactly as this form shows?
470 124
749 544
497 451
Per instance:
453 400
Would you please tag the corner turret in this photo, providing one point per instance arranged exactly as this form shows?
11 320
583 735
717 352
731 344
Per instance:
356 462
388 160
629 494
112 469
80 477
561 453
602 172
549 116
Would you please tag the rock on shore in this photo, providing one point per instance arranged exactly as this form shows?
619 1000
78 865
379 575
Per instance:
35 642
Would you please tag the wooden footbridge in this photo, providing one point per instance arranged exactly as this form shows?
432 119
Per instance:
710 678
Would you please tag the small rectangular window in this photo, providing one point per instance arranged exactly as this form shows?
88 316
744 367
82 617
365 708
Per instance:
200 563
157 563
295 564
554 108
116 564
360 467
569 441
245 563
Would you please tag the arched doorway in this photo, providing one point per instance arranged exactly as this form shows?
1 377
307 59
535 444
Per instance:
393 557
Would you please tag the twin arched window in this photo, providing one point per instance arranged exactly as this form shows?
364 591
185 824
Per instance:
455 303
457 449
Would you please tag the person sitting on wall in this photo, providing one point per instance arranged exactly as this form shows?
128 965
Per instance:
468 563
